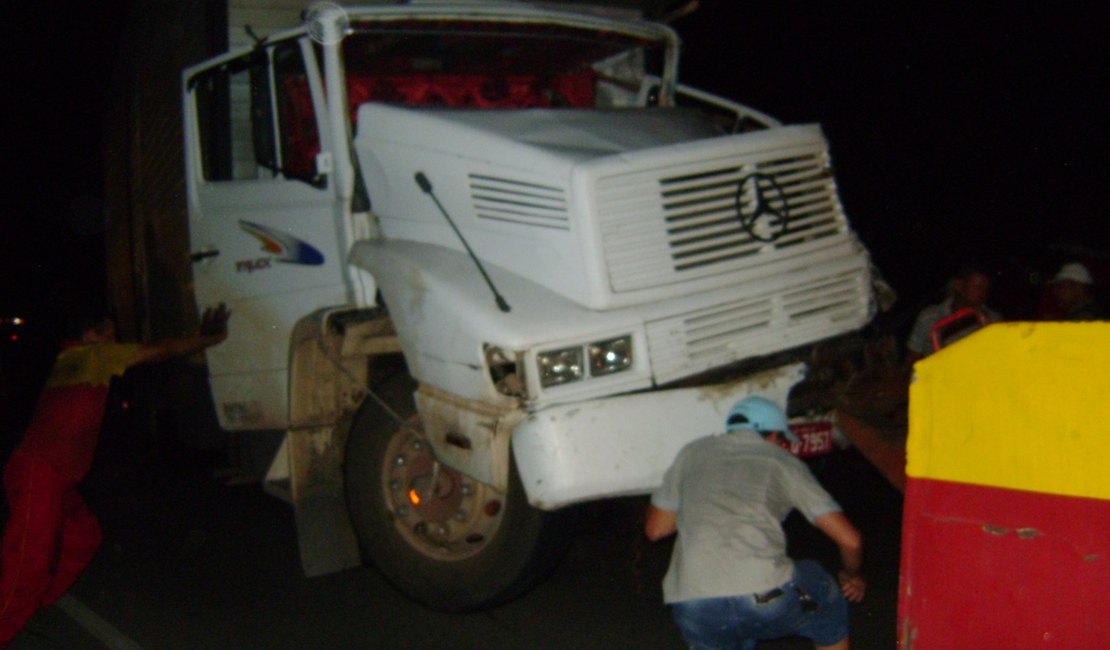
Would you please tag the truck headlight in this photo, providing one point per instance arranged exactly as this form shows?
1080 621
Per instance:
612 355
560 366
595 359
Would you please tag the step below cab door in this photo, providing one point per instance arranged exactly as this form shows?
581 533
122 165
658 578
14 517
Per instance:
263 217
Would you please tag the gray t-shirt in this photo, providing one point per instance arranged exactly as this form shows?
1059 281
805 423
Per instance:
920 340
731 493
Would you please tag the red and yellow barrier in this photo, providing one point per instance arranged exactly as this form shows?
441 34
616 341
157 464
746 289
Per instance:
1006 531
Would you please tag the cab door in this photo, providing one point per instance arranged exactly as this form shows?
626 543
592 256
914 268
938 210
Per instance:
263 218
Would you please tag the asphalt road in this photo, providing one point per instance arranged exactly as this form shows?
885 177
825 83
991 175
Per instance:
191 561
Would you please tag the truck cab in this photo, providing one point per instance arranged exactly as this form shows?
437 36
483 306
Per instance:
491 260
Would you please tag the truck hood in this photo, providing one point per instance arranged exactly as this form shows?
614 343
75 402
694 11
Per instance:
609 208
536 135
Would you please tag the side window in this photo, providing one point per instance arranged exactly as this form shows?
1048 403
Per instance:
299 134
262 113
226 124
256 122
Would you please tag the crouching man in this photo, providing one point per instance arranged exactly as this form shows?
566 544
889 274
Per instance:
730 583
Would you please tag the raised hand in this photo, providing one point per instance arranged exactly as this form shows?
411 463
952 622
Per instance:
213 323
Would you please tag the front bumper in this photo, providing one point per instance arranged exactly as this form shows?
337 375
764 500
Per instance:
618 446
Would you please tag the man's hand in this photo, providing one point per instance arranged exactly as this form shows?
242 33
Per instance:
212 330
213 323
848 540
853 585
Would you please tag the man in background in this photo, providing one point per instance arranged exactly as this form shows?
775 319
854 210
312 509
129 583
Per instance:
1072 292
968 290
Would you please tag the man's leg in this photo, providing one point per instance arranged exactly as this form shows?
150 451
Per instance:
711 624
81 537
28 549
827 618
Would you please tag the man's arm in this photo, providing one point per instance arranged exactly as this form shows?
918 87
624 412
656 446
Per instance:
212 330
659 523
841 531
918 345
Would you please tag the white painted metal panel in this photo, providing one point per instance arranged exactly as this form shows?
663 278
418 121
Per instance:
622 445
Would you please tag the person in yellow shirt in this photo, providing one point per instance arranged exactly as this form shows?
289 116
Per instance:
51 535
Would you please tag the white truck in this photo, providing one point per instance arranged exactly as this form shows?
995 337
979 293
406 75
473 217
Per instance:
490 260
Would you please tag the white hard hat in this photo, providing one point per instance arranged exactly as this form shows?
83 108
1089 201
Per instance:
1075 272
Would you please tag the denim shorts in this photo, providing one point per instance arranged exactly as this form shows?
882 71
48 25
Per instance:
738 622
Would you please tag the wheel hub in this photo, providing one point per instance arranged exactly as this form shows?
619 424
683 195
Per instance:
436 509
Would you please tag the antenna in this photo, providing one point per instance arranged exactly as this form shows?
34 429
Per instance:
426 187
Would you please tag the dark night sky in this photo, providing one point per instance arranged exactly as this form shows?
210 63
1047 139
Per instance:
58 60
959 130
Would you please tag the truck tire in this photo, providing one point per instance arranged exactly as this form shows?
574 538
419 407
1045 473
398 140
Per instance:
439 536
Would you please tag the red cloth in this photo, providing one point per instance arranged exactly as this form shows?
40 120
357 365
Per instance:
301 143
50 538
574 90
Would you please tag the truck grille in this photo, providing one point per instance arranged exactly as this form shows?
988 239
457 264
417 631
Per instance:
675 223
519 202
715 336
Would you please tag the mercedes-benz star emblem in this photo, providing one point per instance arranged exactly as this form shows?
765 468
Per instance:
761 207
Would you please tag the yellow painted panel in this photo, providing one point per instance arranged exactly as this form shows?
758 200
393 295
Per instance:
1024 406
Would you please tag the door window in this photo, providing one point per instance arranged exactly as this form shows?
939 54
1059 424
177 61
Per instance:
256 118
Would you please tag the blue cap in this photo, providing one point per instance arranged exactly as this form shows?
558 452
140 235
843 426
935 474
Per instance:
758 414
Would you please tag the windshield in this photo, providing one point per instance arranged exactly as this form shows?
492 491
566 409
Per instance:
484 64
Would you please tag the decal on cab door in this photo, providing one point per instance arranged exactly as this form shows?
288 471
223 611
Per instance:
283 246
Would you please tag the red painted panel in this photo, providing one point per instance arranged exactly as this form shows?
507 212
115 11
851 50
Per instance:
993 568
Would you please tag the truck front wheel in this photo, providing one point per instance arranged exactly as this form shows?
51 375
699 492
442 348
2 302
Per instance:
441 537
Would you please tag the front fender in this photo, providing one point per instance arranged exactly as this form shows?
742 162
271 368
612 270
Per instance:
444 312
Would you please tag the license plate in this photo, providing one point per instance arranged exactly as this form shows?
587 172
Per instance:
814 439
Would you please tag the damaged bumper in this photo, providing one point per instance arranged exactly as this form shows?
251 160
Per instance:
619 446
